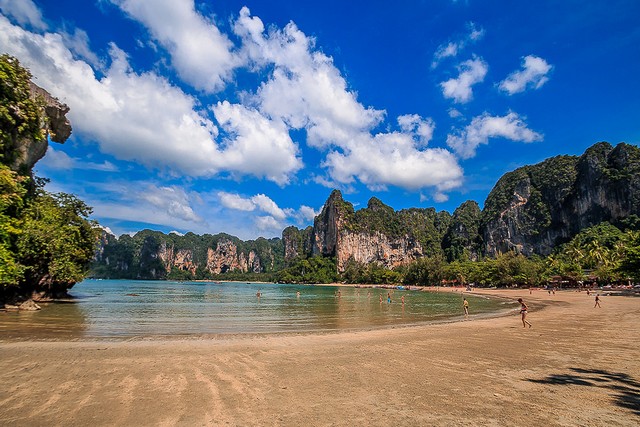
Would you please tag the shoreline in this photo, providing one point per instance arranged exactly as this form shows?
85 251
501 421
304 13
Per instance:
576 366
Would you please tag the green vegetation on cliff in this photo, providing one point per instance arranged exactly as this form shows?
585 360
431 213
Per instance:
426 226
154 255
20 114
46 240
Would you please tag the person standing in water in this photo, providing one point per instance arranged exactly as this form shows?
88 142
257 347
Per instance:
465 307
523 313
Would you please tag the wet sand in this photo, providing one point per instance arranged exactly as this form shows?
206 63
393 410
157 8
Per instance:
577 366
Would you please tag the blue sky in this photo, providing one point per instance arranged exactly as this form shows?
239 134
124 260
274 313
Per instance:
242 116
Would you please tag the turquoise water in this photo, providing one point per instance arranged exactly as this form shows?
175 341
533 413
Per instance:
122 308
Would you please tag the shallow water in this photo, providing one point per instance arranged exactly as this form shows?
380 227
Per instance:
127 309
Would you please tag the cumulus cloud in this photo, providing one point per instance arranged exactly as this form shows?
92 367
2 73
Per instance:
393 159
471 72
413 124
452 48
172 200
235 201
269 206
259 201
484 127
25 12
532 75
256 145
143 118
199 51
306 91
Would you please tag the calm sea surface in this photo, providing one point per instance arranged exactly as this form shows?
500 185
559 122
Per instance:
127 309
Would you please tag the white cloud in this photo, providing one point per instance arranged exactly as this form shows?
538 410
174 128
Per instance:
307 213
305 89
483 127
25 12
452 48
413 124
440 197
56 159
199 51
257 145
393 159
235 201
268 206
533 75
471 72
454 113
268 223
172 200
143 118
78 43
259 201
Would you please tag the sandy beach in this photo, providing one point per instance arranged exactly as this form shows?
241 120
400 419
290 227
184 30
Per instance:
577 366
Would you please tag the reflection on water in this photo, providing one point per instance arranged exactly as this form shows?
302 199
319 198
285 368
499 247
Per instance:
119 308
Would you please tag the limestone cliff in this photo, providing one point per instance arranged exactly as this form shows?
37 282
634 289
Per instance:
531 210
26 150
376 234
535 208
155 255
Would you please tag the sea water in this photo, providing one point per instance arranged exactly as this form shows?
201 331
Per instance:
129 309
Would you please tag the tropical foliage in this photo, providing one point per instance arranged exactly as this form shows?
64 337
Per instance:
46 240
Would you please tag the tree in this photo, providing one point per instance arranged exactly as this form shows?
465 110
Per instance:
11 201
629 266
56 242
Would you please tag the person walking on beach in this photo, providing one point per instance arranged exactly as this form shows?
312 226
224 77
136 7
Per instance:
465 307
523 313
597 301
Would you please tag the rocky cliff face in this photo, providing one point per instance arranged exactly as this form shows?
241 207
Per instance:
376 234
55 125
535 208
154 255
530 210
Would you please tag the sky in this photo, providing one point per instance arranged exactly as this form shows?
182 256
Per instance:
242 116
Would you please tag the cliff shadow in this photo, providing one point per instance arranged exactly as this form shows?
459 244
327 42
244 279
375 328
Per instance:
625 389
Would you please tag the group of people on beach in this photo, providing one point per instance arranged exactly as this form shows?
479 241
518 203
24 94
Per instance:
465 304
524 309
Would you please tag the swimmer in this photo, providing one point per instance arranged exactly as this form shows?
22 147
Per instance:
465 307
